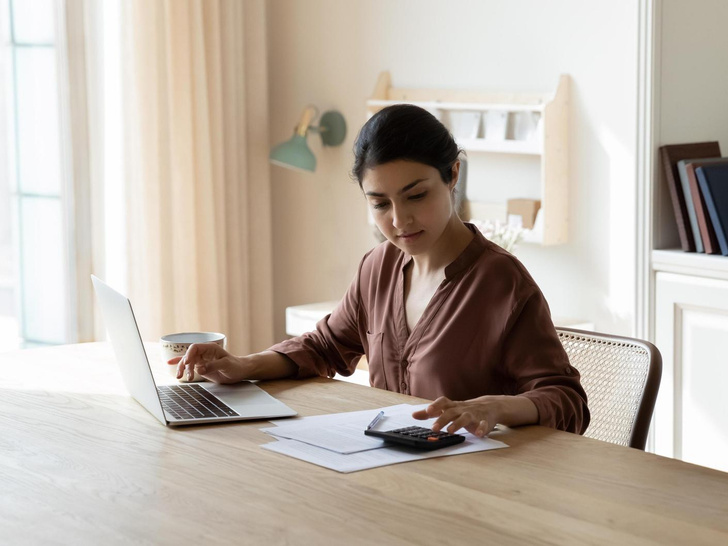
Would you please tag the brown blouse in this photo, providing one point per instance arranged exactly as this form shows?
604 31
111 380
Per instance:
486 330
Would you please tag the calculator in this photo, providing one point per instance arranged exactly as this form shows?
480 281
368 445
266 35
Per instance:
418 437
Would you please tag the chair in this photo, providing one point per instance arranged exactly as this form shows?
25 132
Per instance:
621 377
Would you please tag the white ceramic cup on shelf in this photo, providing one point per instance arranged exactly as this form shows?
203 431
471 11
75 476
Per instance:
174 345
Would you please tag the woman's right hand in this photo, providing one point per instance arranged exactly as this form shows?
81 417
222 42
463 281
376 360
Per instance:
212 362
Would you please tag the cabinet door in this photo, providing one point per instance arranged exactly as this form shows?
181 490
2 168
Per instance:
691 416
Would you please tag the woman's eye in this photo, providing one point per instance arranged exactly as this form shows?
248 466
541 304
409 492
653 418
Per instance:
378 206
418 196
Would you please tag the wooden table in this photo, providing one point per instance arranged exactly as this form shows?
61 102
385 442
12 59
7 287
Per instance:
82 463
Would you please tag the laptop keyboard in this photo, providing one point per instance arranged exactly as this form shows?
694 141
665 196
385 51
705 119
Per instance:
192 402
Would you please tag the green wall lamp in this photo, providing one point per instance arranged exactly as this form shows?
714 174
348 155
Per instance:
295 153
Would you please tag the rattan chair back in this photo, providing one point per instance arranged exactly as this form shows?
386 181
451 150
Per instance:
621 377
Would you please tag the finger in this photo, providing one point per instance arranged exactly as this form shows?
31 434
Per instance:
446 416
187 363
181 367
190 372
433 410
174 360
485 428
480 428
198 357
463 420
420 414
438 406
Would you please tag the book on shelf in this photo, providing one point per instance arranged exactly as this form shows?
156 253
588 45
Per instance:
713 180
670 155
705 226
690 204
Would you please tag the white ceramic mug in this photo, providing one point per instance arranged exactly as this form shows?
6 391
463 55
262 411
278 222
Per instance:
174 345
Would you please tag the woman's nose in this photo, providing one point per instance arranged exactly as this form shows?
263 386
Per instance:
400 217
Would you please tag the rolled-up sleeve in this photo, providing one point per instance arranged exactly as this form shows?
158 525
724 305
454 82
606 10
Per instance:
335 346
536 362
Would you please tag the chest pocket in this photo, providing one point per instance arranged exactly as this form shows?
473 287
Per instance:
375 357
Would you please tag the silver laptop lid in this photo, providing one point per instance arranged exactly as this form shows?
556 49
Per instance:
128 347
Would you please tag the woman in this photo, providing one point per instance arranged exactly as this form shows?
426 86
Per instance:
440 312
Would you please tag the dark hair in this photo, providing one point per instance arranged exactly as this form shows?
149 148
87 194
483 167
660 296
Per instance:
404 131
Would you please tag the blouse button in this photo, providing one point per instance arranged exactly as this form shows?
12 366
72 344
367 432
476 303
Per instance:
404 386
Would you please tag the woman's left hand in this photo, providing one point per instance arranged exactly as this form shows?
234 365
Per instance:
479 415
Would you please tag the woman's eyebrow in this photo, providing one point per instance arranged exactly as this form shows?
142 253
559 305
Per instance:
406 188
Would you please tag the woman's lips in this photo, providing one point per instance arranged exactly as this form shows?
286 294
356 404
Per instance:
409 237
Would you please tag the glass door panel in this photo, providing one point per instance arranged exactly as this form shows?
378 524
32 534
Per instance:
42 271
38 145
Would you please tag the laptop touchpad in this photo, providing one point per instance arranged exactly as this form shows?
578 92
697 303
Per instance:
241 394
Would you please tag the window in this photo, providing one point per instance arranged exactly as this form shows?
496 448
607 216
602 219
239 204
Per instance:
34 294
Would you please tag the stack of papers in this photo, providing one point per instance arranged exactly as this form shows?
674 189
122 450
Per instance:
337 441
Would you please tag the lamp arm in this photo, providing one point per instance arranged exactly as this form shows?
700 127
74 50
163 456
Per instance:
304 123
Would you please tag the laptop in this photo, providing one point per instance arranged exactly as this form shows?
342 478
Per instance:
183 403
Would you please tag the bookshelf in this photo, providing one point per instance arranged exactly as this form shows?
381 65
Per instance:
685 293
545 137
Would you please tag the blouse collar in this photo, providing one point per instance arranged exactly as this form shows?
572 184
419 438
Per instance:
466 258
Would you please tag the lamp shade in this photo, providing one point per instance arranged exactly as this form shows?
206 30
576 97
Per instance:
294 154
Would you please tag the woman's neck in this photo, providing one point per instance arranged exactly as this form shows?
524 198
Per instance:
449 246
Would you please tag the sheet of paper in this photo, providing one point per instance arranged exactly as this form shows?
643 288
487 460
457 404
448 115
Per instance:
344 432
332 418
374 458
343 438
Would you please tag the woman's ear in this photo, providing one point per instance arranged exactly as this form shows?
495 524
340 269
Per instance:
455 175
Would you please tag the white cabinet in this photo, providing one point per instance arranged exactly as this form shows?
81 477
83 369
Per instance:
691 331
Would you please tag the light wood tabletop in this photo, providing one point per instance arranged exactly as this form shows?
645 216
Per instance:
83 463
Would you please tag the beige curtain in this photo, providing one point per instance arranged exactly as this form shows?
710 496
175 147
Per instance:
196 145
80 74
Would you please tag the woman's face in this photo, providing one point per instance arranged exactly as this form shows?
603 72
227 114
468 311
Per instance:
410 203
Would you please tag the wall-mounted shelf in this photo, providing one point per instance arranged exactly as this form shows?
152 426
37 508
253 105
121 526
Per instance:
690 263
526 147
547 137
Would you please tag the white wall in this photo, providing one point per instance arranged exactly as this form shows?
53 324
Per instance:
7 173
329 53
